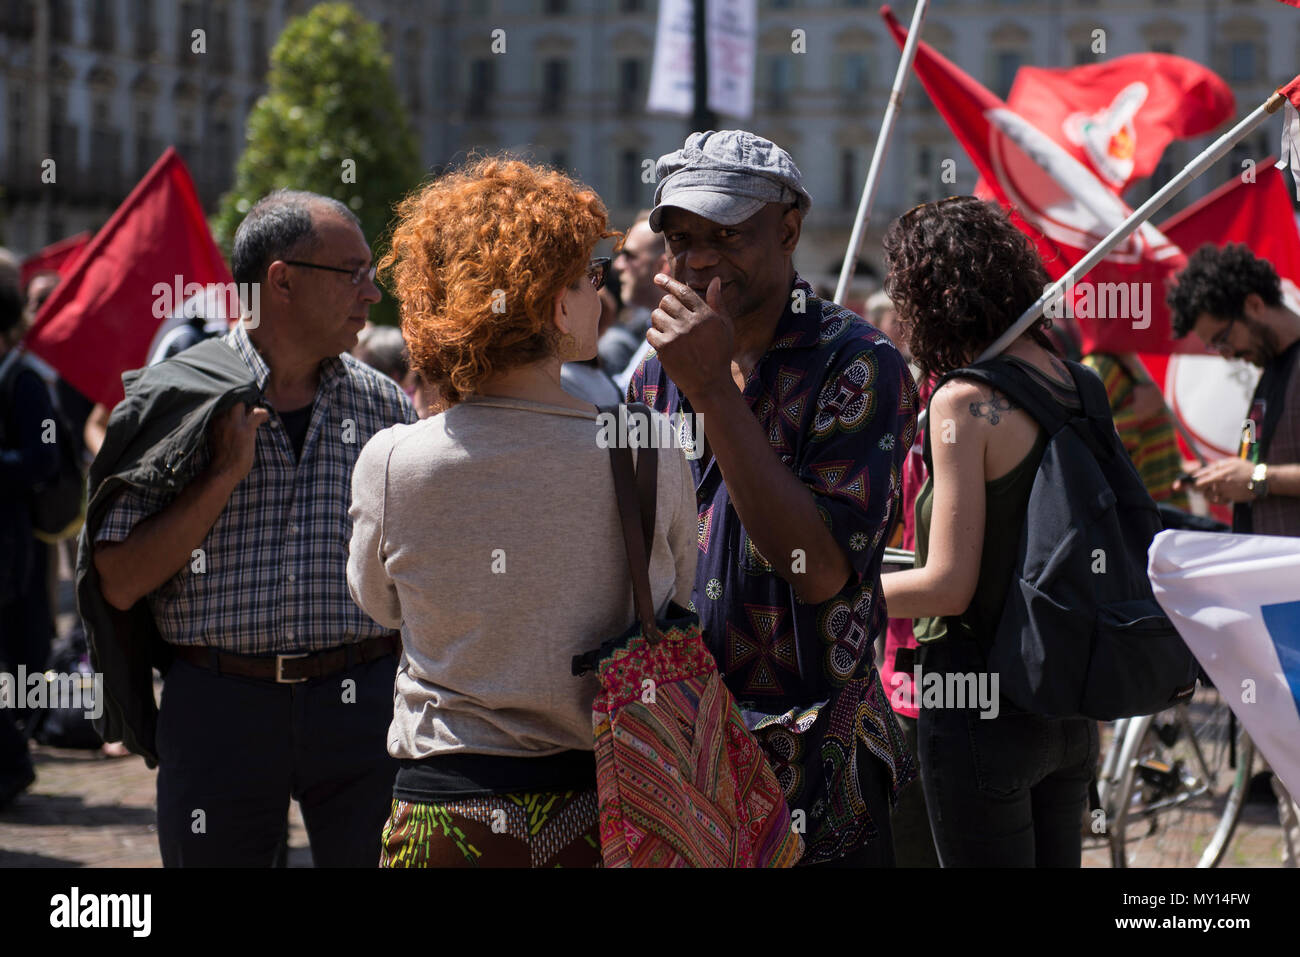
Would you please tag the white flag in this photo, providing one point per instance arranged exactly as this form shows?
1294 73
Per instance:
731 34
1235 599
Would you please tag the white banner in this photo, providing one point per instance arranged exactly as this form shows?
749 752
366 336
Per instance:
732 36
1235 599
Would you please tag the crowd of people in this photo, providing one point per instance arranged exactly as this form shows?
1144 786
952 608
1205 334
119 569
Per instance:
366 580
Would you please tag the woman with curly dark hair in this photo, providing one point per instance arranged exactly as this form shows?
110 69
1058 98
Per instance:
489 533
1003 787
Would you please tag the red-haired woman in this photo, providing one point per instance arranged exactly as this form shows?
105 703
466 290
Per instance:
1003 788
489 533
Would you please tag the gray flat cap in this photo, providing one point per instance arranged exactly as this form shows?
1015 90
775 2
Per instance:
726 176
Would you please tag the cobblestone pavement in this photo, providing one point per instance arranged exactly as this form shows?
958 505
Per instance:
86 810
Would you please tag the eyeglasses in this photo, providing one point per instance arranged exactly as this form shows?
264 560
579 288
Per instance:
367 272
1220 340
598 271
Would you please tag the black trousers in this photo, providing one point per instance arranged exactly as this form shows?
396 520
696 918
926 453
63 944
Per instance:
1006 791
233 750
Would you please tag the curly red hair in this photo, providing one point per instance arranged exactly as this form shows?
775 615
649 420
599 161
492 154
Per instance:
477 259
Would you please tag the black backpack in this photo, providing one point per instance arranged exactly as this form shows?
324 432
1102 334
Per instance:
1081 633
58 506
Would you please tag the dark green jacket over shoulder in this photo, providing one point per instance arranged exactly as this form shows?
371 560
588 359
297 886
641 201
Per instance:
152 435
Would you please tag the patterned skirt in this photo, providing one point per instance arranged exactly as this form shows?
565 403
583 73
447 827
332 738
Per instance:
533 829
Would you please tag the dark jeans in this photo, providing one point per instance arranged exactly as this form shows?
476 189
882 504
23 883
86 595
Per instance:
1007 791
913 839
26 629
236 749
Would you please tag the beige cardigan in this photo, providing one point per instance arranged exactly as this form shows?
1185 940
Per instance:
489 535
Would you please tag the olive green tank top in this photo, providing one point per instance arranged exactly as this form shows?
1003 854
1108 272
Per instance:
1006 500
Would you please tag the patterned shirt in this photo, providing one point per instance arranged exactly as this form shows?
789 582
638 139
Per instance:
838 405
271 575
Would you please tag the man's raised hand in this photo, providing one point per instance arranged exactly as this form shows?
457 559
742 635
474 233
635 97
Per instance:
693 337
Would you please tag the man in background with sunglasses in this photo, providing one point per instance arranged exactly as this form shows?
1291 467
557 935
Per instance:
808 413
280 686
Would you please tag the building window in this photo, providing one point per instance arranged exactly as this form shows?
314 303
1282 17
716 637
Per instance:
17 133
257 47
854 75
555 85
221 158
848 177
147 146
1005 65
19 18
1242 61
779 82
219 38
61 21
411 70
629 178
186 22
63 135
101 25
629 84
145 28
106 148
482 84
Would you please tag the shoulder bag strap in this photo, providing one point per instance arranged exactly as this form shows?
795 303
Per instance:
631 486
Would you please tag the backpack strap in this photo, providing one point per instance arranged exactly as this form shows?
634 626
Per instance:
1015 385
635 496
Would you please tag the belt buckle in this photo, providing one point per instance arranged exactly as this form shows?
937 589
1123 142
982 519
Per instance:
279 669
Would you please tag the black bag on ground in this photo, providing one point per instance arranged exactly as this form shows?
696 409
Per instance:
63 723
1081 633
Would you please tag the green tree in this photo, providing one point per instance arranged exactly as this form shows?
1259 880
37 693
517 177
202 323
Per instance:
330 122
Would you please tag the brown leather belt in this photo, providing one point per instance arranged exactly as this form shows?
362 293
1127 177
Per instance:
291 668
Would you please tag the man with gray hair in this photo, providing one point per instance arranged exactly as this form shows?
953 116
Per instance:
279 685
807 414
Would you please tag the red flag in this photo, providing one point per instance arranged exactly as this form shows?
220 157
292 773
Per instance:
1117 117
1256 213
57 257
100 320
1060 204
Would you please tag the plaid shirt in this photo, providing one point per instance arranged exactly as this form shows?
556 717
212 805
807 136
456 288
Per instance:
272 574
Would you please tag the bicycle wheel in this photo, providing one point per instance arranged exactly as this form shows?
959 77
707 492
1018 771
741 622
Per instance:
1185 773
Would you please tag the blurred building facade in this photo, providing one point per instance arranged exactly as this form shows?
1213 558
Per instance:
103 86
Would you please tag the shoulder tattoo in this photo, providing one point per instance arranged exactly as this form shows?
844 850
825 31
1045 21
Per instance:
993 408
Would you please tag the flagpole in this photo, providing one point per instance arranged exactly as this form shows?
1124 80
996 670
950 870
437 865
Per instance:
882 147
1208 157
